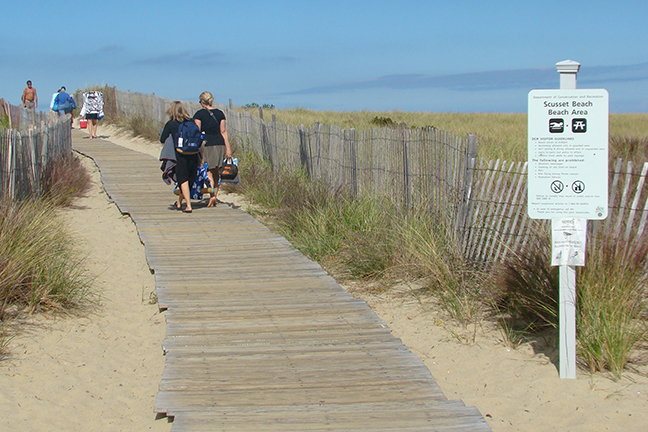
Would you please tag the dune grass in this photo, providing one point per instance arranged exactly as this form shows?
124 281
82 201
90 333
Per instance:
40 269
370 239
364 238
500 135
64 180
612 293
139 126
612 303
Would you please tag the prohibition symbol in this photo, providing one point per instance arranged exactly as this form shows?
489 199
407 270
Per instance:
557 186
578 186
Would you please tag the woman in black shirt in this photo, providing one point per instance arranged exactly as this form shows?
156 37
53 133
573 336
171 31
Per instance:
211 121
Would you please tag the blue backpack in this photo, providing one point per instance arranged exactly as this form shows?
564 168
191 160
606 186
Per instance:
189 138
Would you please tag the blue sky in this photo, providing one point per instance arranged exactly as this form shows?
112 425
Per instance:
460 56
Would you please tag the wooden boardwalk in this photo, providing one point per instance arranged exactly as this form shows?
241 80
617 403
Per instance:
260 338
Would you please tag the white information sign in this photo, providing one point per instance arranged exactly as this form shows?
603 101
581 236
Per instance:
568 154
569 238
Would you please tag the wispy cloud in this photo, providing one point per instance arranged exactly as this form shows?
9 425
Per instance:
486 80
613 74
186 58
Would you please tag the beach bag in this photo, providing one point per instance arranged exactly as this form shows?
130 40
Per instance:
189 138
55 105
229 170
202 181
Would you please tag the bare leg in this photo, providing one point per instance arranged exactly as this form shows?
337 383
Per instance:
93 128
184 193
213 175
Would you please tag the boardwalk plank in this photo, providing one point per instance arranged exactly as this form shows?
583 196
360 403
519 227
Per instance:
259 337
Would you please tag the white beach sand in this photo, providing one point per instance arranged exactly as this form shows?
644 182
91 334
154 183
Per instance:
100 372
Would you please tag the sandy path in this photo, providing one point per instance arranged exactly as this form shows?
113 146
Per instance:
101 372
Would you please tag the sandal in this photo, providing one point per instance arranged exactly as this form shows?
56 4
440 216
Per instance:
186 211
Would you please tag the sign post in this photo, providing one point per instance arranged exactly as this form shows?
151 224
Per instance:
568 182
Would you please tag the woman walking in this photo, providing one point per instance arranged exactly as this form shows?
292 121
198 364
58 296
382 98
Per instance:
187 164
92 110
211 121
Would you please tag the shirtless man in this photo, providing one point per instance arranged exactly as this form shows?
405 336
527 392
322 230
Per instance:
29 96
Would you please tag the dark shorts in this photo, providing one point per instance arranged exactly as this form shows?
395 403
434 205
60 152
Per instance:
187 168
94 116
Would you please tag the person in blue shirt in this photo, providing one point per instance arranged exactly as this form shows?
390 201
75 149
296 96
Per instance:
66 104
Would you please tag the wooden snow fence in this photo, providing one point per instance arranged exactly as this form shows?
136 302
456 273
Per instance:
498 222
260 338
24 156
482 203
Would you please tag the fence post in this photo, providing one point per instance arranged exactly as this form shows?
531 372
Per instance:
264 149
406 171
318 147
14 136
304 154
247 130
273 144
354 173
465 207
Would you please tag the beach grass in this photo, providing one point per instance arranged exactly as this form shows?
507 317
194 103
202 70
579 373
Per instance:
370 239
139 125
40 269
65 179
500 135
612 310
364 238
612 293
